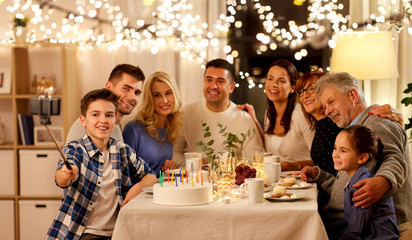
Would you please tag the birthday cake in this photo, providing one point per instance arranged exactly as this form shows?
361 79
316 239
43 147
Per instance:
182 194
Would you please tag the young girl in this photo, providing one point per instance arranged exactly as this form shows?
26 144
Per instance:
354 146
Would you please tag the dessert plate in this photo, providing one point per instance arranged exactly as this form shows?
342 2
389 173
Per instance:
268 188
148 190
289 174
298 185
270 197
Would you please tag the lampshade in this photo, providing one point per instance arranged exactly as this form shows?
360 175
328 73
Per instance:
365 55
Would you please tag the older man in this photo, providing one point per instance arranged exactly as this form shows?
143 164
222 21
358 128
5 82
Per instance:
218 84
344 103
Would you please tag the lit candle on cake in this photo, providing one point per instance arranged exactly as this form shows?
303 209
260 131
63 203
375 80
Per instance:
167 175
191 178
173 177
160 179
201 177
197 176
187 176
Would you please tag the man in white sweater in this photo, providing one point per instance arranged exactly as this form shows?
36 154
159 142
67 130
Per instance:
126 81
218 84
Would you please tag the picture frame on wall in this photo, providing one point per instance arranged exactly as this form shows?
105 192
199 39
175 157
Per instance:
5 81
43 138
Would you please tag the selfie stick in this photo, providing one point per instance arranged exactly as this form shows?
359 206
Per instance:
58 148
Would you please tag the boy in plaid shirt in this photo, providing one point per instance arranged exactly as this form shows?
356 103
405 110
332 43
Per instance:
106 174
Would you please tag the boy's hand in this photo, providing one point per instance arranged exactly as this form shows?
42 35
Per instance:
64 176
69 175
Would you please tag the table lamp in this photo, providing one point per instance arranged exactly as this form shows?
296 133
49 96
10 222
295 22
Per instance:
366 56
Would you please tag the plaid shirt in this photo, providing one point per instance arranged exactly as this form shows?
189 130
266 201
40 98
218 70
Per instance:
79 198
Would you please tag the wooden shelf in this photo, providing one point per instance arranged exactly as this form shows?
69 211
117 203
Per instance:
6 96
7 145
27 60
37 147
40 197
7 197
28 96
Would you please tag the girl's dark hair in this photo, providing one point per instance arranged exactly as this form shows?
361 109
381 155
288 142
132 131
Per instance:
300 84
365 141
271 111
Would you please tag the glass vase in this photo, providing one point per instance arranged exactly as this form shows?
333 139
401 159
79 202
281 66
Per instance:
214 175
231 162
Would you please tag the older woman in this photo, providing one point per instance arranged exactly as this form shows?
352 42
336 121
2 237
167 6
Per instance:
287 132
154 131
326 129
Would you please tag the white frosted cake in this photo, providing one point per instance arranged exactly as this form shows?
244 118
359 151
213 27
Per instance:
184 194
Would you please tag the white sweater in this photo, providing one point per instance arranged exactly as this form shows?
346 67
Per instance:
296 144
236 121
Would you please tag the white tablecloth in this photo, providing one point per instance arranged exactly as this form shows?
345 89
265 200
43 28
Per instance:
142 219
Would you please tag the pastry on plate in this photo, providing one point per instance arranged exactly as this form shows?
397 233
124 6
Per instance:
288 182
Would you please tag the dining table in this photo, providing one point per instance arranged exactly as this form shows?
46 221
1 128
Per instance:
271 219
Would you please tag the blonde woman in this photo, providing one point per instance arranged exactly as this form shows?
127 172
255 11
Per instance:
157 123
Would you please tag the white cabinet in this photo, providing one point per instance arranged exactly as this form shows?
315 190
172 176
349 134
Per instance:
7 176
37 172
36 216
7 219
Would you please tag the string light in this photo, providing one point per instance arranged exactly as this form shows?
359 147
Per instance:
173 25
322 15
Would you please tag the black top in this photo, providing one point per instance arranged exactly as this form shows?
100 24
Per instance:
323 144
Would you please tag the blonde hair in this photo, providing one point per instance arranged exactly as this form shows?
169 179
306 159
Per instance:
146 109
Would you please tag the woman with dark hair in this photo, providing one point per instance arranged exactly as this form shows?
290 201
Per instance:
287 133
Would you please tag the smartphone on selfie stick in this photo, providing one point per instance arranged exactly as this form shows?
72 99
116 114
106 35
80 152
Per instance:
46 106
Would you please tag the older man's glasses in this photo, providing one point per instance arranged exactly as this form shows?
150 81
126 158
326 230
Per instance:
309 90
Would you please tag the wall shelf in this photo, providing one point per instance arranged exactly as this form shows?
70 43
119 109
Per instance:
25 62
